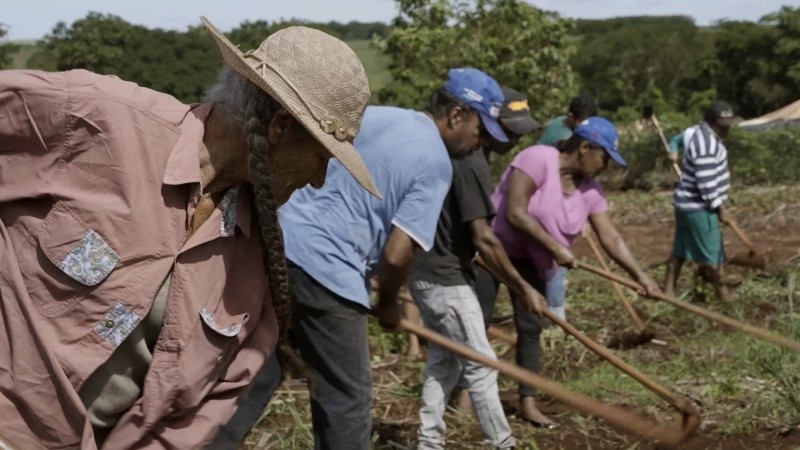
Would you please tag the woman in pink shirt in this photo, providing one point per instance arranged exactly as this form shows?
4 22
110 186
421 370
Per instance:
543 201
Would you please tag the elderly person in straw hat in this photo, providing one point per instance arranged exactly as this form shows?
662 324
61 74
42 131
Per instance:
142 274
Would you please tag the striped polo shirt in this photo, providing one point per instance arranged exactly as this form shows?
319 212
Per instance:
705 179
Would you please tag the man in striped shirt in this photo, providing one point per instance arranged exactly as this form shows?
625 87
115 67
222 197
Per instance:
700 199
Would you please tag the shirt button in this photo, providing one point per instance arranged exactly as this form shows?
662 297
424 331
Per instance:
109 323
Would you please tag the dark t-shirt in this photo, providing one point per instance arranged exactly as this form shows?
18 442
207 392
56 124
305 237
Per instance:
449 263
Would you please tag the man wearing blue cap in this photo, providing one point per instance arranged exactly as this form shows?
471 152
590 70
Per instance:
336 238
443 282
543 201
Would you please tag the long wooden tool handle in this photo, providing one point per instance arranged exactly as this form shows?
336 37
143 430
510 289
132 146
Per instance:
711 315
664 141
640 326
660 132
680 404
617 417
495 332
732 223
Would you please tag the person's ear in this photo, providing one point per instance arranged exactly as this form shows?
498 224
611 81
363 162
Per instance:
584 148
455 116
279 126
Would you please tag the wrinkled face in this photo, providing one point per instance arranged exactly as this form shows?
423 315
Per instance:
296 158
462 135
592 159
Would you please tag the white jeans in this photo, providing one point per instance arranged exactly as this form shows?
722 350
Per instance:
454 312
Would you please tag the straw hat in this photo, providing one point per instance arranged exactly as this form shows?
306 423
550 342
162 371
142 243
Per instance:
317 78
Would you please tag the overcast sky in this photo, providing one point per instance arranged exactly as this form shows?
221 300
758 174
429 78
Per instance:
32 19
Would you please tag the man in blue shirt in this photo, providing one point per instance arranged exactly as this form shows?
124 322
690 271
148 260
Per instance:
336 237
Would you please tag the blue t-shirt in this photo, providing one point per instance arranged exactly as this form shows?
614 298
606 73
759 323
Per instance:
336 233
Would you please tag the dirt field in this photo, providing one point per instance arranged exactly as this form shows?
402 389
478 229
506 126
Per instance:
746 391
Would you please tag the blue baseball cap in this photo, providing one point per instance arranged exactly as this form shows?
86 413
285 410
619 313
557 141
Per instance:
481 93
603 133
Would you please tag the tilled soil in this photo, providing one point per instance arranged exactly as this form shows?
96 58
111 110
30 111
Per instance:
649 235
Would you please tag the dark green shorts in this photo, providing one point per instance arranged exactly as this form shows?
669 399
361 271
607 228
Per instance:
698 237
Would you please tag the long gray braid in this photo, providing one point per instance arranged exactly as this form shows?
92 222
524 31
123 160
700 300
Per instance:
250 108
255 128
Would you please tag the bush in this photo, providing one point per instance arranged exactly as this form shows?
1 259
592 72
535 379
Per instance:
755 157
764 157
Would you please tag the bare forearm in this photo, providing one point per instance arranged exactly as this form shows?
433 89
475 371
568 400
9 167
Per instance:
494 256
533 231
616 248
392 277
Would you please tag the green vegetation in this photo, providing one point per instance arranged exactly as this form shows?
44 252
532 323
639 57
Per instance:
25 50
755 157
179 63
633 61
672 64
374 63
7 50
521 46
626 63
740 384
720 370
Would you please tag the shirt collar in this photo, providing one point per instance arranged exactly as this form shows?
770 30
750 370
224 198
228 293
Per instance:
235 207
183 165
244 205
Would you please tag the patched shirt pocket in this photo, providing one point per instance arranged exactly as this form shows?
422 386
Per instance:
231 328
71 259
212 345
90 260
77 250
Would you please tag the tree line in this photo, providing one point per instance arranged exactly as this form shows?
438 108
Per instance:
670 62
675 65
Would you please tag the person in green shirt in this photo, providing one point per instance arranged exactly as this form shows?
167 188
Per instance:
675 146
580 108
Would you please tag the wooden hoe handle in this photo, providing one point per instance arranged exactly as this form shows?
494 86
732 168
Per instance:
691 417
681 404
617 417
735 227
664 141
640 327
711 315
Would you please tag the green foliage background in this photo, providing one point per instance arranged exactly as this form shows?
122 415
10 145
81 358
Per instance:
7 50
180 63
667 62
519 45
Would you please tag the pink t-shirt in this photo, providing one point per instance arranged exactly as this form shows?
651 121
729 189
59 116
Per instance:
563 217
